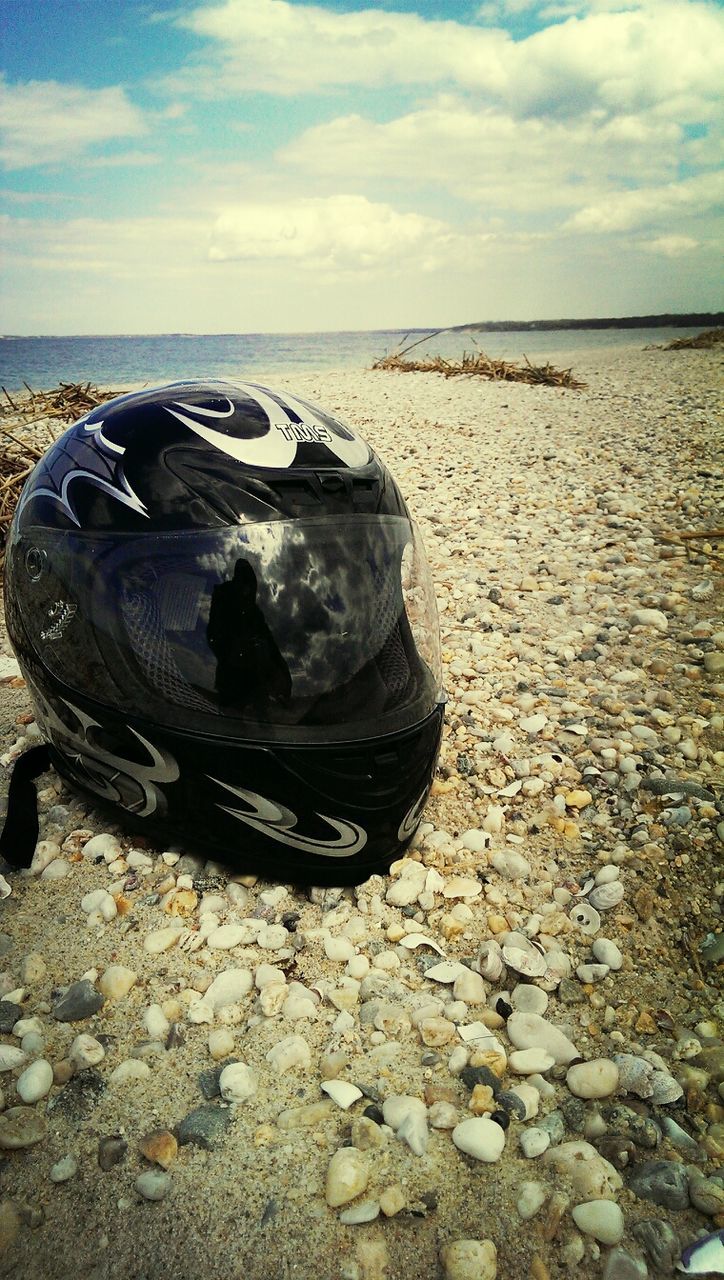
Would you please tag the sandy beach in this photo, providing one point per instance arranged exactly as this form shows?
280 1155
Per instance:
577 804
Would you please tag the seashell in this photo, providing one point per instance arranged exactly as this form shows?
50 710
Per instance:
524 956
5 888
447 971
558 967
704 1257
607 896
489 963
585 888
586 917
414 940
341 1092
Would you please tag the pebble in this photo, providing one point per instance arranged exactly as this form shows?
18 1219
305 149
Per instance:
480 1138
407 1117
526 1061
660 1242
159 940
527 998
153 1184
601 1219
11 1057
204 1127
531 1198
238 1082
102 846
469 1260
590 1175
597 1078
226 937
80 1001
341 1092
221 1043
159 1146
347 1176
35 1082
288 1053
530 1031
64 1169
128 1070
112 1150
117 981
534 1141
86 1051
663 1182
21 1127
606 952
621 1265
365 1211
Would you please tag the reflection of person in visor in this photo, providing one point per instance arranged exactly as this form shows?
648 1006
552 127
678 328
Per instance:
250 669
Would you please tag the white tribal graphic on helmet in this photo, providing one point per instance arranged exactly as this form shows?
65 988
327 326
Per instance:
278 448
275 820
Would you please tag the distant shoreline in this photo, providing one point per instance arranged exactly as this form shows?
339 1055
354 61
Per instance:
670 320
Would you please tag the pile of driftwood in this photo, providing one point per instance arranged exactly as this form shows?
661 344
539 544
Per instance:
700 341
28 427
478 364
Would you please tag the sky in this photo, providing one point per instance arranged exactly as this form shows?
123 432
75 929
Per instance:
235 166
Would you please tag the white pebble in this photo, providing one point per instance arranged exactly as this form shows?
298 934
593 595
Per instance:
35 1082
117 981
601 1219
534 1141
226 937
221 1043
156 1022
529 1031
531 1197
347 1176
237 1082
162 939
99 900
407 1116
341 1092
606 952
154 1184
11 1057
86 1051
595 1079
525 1061
229 987
339 949
526 998
292 1051
480 1138
130 1069
102 846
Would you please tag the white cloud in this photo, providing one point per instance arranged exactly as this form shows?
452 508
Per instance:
671 246
340 233
488 158
669 55
43 122
651 206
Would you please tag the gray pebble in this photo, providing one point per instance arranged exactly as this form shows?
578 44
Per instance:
204 1127
554 1125
659 1241
662 1181
621 1265
111 1151
9 1014
80 1001
153 1184
625 1123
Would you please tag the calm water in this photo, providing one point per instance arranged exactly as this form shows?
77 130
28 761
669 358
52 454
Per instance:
107 361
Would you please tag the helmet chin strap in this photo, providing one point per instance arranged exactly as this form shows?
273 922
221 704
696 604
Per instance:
20 833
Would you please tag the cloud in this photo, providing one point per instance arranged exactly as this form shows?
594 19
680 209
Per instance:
669 55
489 159
43 122
671 246
342 232
651 206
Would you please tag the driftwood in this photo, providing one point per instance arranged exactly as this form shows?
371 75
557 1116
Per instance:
700 342
478 364
21 417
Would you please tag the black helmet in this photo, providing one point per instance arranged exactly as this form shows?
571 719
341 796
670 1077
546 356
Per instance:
226 622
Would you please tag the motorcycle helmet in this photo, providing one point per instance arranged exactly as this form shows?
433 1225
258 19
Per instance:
225 619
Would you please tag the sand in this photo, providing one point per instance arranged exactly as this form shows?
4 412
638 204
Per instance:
559 503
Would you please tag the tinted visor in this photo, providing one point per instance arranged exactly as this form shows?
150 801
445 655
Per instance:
300 629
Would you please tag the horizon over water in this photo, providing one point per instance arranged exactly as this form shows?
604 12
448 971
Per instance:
123 359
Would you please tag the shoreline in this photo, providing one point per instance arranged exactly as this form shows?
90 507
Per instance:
580 650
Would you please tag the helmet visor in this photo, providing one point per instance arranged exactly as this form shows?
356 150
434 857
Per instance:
296 629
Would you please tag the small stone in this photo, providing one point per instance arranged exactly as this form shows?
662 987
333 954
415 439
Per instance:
480 1138
226 937
79 1096
526 998
130 1069
153 1184
11 1056
407 1117
35 1082
606 952
159 1146
650 618
365 1211
660 1243
228 988
86 1051
8 1016
578 799
392 1200
597 1078
204 1127
621 1265
529 1031
341 1092
347 1176
591 1177
534 1141
237 1082
111 1151
292 1051
601 1219
117 981
159 940
707 1195
21 1127
590 973
80 1001
531 1197
469 1260
663 1182
64 1169
221 1043
102 846
525 1062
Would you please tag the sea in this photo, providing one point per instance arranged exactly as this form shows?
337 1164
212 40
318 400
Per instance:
117 361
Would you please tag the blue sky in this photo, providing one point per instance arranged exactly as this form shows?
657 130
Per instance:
271 165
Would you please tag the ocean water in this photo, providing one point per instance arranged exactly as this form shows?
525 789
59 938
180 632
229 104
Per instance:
111 361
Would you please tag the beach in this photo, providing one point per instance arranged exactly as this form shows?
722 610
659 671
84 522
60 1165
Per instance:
577 806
